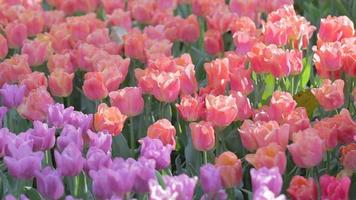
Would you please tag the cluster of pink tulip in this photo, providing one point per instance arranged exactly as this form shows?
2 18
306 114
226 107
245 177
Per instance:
233 92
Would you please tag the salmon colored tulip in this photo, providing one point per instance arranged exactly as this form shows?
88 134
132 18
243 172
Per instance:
297 120
260 134
166 87
120 17
221 110
33 20
244 108
94 86
16 33
111 5
301 188
188 82
335 28
191 108
327 132
307 149
36 50
334 188
13 69
328 56
163 130
281 105
61 83
331 94
348 157
213 42
230 168
3 47
35 105
60 62
189 30
135 44
34 80
217 73
110 119
269 156
129 100
203 136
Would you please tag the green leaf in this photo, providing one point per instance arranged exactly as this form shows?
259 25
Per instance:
32 194
305 76
120 148
269 88
160 179
193 157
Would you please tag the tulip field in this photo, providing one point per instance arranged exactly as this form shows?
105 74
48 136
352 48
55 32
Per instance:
178 99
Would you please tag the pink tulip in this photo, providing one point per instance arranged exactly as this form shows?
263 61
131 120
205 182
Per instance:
16 33
134 44
36 50
164 131
307 148
217 73
298 120
334 188
13 69
129 100
281 105
203 136
111 5
34 80
166 87
213 42
61 83
301 188
94 87
60 62
331 94
221 110
244 108
335 28
348 157
269 156
188 82
3 47
191 108
189 30
328 56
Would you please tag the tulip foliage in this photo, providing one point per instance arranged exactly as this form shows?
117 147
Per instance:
177 99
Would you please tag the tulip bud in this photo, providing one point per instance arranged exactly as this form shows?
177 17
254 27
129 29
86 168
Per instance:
61 83
203 136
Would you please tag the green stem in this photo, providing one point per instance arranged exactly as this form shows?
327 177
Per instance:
328 160
76 185
132 136
205 157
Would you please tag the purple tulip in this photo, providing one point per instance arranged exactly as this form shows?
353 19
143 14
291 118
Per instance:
210 179
97 159
145 172
21 161
101 140
81 120
115 181
42 136
271 178
58 116
263 193
70 162
49 183
154 149
5 137
176 187
70 134
221 195
12 95
69 197
11 197
3 111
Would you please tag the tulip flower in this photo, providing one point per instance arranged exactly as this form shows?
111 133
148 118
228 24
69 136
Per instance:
49 183
94 87
12 95
331 94
110 119
191 108
129 101
348 157
164 131
302 188
334 188
70 162
61 83
221 110
203 136
3 47
271 178
154 149
230 169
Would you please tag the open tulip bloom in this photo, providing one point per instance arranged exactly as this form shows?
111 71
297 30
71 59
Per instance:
177 99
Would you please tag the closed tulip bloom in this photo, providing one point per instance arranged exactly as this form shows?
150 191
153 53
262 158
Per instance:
188 82
3 47
241 81
12 95
331 94
269 156
281 105
43 137
97 159
217 73
267 177
60 83
110 119
33 81
301 188
335 28
36 50
58 62
94 87
68 135
164 131
348 157
21 161
328 56
70 162
189 29
156 150
49 183
297 120
334 188
35 105
203 136
221 110
307 148
210 179
244 108
213 42
191 108
166 87
230 169
101 140
16 33
129 100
